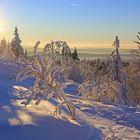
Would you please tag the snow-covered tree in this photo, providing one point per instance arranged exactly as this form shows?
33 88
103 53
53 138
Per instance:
117 73
136 52
116 69
112 87
16 44
3 46
133 72
5 50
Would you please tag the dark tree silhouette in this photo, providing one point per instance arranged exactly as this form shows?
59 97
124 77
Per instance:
75 55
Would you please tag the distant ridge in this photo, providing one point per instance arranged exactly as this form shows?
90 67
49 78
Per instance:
93 53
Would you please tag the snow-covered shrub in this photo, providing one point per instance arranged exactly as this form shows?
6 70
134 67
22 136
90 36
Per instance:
114 86
12 51
138 108
80 71
5 51
133 72
91 90
74 73
3 46
49 81
108 92
58 51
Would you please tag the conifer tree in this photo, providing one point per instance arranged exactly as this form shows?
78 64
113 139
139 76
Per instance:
117 73
138 41
136 52
75 54
113 87
16 44
65 49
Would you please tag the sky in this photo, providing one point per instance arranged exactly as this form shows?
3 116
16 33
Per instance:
82 23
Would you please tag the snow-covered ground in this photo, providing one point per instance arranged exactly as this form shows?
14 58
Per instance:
95 121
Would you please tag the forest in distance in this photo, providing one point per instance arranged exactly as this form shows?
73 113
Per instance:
93 53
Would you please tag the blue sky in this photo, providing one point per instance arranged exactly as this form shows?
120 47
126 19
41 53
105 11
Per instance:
89 23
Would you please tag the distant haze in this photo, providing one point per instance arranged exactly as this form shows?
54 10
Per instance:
94 53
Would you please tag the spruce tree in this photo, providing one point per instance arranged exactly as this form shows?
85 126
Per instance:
138 41
136 52
117 72
75 54
16 44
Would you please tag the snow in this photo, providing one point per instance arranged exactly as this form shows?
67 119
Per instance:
95 121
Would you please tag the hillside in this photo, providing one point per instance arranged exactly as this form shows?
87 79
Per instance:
95 121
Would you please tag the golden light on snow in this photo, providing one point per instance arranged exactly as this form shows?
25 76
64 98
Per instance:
24 117
14 121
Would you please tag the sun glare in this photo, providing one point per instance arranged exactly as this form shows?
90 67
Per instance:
2 28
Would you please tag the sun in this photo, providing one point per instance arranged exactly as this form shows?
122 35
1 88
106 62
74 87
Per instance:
2 28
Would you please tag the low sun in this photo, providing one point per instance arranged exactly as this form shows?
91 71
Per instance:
2 28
